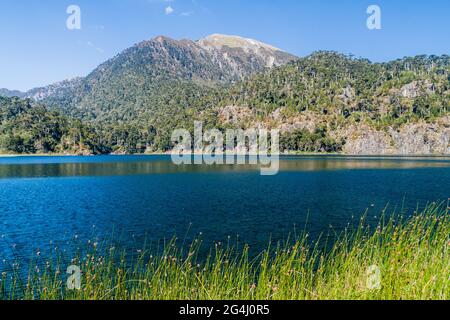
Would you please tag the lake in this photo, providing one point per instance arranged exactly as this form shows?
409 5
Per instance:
48 202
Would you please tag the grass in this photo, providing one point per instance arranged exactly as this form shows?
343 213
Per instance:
410 254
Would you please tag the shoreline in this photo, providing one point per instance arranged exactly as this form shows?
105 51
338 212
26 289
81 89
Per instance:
285 154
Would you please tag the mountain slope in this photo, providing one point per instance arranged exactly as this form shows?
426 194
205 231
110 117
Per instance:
11 93
326 102
142 78
329 101
244 56
58 90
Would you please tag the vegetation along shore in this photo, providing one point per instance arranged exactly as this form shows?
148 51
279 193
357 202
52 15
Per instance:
400 258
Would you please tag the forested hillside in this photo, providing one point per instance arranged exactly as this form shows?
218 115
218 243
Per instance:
326 102
359 106
28 128
327 82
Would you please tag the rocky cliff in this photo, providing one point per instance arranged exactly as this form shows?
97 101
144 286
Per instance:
419 138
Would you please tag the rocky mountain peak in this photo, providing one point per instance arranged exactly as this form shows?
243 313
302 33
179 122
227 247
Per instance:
243 53
221 40
144 70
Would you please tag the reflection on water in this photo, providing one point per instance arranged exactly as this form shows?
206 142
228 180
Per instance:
141 165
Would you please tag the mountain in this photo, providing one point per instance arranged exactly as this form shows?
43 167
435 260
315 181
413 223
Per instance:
149 73
325 102
11 93
154 86
56 90
244 56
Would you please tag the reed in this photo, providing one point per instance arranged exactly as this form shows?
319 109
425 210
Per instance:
401 258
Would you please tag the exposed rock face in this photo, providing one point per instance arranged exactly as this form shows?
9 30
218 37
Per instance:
244 56
412 139
235 115
416 89
348 94
306 121
419 138
422 139
366 141
57 89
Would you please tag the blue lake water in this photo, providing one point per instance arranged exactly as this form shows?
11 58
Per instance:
51 201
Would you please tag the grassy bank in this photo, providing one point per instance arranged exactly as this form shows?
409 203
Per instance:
399 259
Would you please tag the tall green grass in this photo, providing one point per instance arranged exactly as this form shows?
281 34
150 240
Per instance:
412 256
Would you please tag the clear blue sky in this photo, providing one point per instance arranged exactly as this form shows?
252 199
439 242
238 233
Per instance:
37 49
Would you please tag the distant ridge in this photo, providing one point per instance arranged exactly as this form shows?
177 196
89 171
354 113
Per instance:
11 93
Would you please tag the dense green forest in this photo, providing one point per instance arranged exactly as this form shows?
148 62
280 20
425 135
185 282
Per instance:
27 128
108 113
328 82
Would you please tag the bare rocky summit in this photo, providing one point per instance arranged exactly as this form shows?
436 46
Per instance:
244 56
